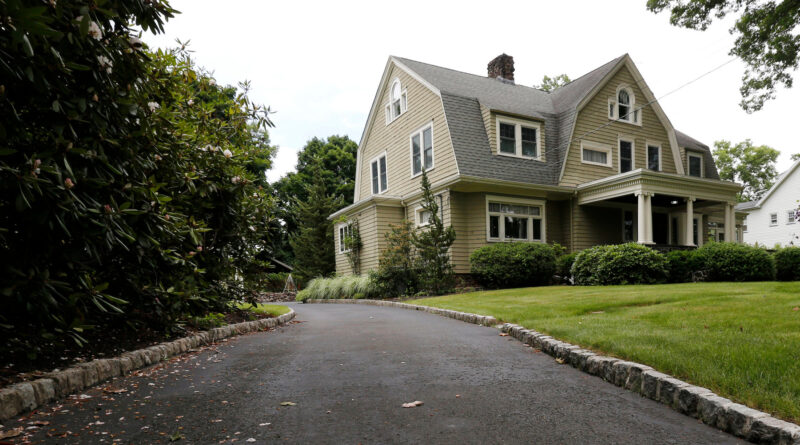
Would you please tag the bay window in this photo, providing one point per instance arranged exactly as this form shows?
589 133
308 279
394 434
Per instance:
514 219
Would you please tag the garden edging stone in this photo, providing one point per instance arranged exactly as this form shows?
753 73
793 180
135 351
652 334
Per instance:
26 396
694 401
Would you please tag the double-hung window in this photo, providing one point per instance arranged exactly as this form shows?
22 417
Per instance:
773 219
345 235
791 216
379 176
654 157
518 138
510 219
695 162
625 155
422 150
398 102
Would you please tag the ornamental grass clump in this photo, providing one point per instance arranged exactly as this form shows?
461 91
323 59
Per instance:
343 286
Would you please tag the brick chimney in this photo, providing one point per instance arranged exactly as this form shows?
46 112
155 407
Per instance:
502 68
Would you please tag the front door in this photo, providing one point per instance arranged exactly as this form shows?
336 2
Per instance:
660 228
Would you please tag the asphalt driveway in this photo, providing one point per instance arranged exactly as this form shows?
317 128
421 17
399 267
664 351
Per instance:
341 374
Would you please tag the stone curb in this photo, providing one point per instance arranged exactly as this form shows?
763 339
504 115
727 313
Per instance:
462 316
27 396
700 403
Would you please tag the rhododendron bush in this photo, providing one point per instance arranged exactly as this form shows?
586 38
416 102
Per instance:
131 183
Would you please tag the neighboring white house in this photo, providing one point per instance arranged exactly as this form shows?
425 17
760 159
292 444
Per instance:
773 219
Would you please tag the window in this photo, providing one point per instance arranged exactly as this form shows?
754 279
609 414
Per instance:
773 219
595 153
378 170
423 217
790 217
511 219
744 224
625 156
622 107
627 226
422 150
518 138
398 102
654 157
345 234
695 164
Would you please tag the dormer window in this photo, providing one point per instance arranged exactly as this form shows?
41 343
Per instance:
623 107
398 101
518 138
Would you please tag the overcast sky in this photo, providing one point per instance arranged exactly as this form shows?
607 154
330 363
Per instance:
318 64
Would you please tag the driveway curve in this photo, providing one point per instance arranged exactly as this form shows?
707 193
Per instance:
346 371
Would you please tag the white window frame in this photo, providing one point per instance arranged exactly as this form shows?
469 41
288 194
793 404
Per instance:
773 217
630 139
790 217
744 224
501 228
634 113
689 155
378 159
419 132
647 155
341 230
518 124
418 217
596 146
389 109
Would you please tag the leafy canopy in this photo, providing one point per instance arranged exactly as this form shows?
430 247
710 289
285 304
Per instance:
553 83
753 166
767 39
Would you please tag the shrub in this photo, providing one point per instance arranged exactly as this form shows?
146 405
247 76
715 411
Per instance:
787 264
343 286
736 262
564 265
629 263
513 264
397 272
682 264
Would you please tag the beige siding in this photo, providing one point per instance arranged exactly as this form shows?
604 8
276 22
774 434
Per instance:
490 122
386 218
558 226
424 107
373 223
595 225
595 115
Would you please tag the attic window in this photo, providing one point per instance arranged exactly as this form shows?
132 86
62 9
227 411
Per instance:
695 161
398 101
622 107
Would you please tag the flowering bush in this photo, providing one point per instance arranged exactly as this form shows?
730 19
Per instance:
131 183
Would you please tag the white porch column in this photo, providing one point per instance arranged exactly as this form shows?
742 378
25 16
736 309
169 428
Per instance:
648 213
730 222
641 207
688 239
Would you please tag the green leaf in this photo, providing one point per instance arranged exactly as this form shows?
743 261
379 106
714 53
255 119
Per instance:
26 45
7 151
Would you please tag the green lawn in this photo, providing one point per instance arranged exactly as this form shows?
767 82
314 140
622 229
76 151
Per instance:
263 308
741 340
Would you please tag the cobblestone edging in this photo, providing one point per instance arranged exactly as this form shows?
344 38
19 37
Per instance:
25 396
482 320
694 401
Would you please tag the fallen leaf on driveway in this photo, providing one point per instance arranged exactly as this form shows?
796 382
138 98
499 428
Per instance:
503 334
560 361
175 437
250 440
413 404
288 404
264 424
11 433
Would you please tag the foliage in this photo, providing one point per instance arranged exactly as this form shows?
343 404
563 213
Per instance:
313 244
276 281
333 160
352 240
795 157
432 244
263 308
552 83
766 39
629 263
208 321
129 185
787 264
564 264
752 166
513 264
343 286
397 273
682 264
736 262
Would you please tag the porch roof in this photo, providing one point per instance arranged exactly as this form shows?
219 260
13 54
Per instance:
653 182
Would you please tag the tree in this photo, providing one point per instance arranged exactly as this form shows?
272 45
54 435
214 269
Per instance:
553 83
397 272
313 243
795 157
432 244
766 39
753 166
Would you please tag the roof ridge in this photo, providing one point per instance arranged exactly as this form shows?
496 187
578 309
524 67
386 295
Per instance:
614 61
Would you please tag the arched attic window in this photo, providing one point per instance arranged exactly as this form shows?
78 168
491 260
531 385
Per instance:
397 101
623 106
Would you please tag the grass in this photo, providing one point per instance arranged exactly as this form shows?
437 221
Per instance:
741 340
264 309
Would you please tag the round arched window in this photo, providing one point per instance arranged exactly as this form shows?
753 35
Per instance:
624 105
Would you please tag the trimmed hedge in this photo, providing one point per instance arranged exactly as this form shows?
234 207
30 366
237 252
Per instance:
629 263
682 264
787 264
513 264
736 262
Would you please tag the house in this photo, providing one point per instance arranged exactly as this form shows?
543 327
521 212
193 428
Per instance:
594 162
773 219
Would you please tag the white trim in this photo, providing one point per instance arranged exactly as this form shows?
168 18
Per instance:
417 212
647 146
403 101
777 184
790 216
597 146
501 228
690 154
634 115
386 171
626 138
419 132
339 240
518 124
